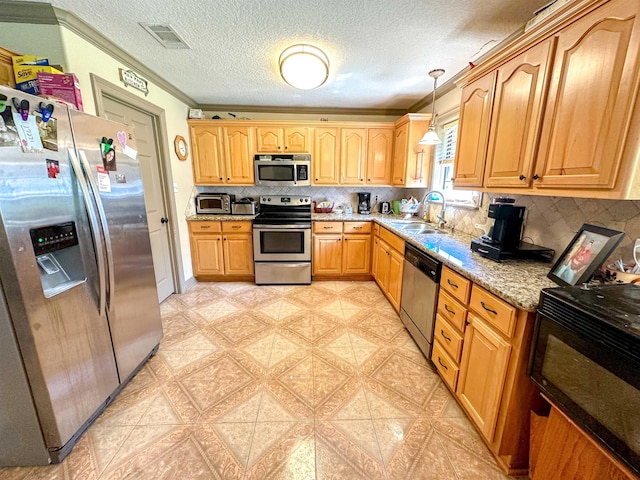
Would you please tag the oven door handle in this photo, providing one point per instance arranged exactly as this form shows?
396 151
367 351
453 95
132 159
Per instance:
282 227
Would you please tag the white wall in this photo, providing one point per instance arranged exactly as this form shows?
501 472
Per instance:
79 56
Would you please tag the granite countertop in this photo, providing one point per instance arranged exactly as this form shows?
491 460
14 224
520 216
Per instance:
516 281
220 218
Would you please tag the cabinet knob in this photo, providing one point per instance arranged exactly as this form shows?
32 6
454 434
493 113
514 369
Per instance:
228 179
220 178
368 179
362 179
536 176
316 179
522 177
279 147
285 147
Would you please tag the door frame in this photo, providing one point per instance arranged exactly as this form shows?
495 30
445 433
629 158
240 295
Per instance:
103 88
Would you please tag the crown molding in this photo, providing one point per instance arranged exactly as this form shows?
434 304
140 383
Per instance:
308 110
45 14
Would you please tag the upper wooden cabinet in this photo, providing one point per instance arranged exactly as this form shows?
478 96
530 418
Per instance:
206 149
238 158
520 87
353 151
221 155
595 79
326 156
563 118
473 132
271 139
411 161
379 156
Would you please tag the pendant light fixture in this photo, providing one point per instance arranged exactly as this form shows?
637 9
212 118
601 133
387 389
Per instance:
304 66
431 137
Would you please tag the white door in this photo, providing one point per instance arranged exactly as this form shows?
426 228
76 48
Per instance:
148 156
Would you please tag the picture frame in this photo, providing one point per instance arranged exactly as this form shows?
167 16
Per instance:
584 255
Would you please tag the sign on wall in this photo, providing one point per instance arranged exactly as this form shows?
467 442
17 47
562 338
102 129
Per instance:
130 78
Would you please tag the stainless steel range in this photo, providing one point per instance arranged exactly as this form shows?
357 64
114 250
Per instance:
282 240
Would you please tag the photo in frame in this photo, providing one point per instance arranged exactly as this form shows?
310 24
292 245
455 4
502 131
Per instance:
584 255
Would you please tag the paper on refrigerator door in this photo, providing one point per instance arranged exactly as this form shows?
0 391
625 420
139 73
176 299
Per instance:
104 182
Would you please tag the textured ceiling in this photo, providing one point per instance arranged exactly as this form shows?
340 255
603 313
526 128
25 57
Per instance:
380 51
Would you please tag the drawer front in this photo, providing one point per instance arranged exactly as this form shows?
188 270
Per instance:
497 312
452 311
449 337
357 227
236 227
327 227
392 239
204 227
446 367
455 284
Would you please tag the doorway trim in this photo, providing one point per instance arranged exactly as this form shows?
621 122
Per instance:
103 88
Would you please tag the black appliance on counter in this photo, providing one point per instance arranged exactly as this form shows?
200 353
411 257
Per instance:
586 359
364 203
503 240
282 240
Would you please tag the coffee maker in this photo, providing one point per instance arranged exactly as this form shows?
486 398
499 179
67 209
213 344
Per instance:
503 240
364 203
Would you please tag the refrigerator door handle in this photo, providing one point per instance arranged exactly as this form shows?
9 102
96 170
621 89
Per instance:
95 228
103 220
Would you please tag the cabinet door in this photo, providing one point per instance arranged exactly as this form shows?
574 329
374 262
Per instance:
326 156
379 156
269 140
593 83
238 159
327 254
206 148
353 144
485 357
356 254
396 268
400 152
473 131
517 111
383 260
206 255
296 140
374 257
238 254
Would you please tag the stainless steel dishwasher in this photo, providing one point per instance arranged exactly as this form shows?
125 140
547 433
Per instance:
420 283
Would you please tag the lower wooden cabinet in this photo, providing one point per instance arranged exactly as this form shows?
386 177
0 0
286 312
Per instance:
481 350
388 254
221 249
341 249
484 364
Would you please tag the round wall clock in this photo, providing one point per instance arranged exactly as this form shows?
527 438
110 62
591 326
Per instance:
180 145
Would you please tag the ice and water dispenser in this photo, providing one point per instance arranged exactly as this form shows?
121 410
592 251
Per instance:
59 258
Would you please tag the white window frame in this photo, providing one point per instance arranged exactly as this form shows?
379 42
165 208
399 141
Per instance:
443 167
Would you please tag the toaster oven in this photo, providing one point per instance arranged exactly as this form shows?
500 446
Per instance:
214 203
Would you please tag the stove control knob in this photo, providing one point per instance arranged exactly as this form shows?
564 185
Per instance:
268 199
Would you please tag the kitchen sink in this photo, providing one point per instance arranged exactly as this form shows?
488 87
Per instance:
417 228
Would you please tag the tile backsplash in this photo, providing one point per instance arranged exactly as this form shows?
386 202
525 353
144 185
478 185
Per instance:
553 221
549 221
337 195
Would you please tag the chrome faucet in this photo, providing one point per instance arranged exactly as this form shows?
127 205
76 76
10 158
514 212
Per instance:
441 220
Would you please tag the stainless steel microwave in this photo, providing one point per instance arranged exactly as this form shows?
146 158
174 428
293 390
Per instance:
283 170
214 203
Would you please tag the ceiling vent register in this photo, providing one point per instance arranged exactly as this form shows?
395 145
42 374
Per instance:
166 35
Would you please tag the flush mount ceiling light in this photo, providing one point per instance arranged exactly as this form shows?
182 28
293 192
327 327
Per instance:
304 66
431 137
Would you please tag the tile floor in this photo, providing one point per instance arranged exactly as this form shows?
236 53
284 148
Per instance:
280 382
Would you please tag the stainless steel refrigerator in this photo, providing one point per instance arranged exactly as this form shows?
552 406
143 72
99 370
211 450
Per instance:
79 311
